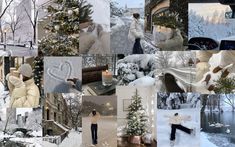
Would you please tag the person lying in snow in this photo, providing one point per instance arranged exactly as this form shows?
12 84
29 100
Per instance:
175 122
23 91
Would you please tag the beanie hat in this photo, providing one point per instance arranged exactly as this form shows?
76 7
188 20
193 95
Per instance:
26 70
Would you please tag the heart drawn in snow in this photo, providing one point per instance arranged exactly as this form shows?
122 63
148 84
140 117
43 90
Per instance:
61 72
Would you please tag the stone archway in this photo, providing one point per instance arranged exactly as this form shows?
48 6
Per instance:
170 84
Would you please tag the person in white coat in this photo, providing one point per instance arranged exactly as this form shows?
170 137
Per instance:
25 92
176 123
136 34
94 118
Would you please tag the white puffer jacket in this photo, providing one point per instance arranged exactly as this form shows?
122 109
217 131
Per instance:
18 91
177 120
135 30
25 94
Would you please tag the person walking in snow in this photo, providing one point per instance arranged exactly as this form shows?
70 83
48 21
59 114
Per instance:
136 34
94 117
175 122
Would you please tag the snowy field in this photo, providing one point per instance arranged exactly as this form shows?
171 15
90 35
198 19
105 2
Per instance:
74 139
208 20
107 132
182 139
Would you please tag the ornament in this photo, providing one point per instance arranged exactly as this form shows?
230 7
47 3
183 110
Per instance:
57 27
76 11
70 12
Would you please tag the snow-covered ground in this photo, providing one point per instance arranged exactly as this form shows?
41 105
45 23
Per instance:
4 97
101 12
182 139
215 140
107 132
74 139
119 37
210 23
204 141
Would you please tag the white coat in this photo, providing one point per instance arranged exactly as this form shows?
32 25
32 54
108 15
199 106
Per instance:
135 30
25 94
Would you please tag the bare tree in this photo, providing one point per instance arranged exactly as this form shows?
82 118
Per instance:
33 19
163 59
7 3
14 23
229 99
75 109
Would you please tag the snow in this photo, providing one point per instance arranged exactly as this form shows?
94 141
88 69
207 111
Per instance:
204 141
74 139
101 12
202 24
3 53
4 97
29 142
144 81
182 139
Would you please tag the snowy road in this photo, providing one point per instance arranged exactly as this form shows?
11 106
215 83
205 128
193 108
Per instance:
19 51
107 132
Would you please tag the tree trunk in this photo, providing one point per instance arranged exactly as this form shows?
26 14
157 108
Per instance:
34 33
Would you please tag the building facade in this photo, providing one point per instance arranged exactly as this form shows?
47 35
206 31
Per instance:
55 115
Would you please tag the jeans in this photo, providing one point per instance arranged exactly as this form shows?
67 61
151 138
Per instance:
180 127
137 49
94 128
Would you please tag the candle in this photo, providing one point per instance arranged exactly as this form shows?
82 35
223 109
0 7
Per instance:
107 78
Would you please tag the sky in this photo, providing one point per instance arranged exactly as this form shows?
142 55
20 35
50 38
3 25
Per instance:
131 3
207 9
102 100
23 110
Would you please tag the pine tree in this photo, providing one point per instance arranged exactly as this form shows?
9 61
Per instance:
136 117
84 11
62 30
38 71
225 85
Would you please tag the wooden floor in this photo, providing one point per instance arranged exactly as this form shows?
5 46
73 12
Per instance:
122 142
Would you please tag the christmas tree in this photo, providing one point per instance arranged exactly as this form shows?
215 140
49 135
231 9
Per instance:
38 71
136 117
85 11
62 30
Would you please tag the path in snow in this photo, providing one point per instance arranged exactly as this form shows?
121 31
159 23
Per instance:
107 132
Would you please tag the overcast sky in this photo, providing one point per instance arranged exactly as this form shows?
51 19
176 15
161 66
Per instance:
131 3
101 100
207 9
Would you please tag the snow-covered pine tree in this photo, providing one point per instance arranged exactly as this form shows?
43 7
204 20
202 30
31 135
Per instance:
136 117
225 85
38 71
62 30
85 11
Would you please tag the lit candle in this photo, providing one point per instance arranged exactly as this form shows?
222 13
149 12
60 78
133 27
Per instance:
107 78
